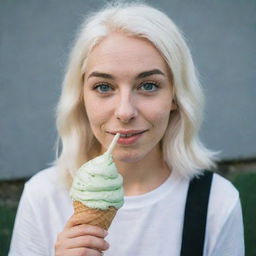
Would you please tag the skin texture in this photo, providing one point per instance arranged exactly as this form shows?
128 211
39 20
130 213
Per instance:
79 239
127 87
119 95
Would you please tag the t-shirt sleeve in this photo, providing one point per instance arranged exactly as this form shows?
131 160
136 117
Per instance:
230 241
27 237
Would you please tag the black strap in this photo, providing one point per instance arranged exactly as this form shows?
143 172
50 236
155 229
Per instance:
196 215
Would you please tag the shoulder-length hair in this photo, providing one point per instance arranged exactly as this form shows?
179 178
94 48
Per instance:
181 147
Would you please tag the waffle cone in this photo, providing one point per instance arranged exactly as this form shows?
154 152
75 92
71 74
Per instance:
91 216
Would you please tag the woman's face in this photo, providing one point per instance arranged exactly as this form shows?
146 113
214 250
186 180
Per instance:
127 89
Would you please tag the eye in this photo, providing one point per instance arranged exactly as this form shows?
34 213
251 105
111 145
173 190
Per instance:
102 88
148 86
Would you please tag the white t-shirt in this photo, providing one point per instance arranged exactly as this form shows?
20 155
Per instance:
147 225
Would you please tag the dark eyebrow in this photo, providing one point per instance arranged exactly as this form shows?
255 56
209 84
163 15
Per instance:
149 73
139 76
99 74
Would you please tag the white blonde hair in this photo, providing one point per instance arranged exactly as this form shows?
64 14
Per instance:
182 149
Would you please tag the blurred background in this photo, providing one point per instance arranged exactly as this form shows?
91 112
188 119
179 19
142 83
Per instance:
36 37
35 40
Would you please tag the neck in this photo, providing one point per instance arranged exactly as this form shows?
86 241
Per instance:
145 175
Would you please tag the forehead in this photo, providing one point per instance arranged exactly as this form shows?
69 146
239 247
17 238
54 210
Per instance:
121 52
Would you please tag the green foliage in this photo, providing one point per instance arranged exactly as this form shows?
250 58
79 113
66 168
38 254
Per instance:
246 185
7 216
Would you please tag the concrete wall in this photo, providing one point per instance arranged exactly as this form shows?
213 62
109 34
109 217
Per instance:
36 36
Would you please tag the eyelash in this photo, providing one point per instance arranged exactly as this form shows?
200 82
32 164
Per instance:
149 82
98 85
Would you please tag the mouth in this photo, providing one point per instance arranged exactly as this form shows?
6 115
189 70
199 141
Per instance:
128 137
126 134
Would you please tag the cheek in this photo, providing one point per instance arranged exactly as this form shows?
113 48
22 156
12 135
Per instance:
98 113
94 115
91 109
161 120
157 113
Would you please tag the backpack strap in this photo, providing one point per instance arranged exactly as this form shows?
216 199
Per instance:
195 215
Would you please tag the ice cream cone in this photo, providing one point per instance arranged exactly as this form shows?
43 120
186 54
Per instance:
92 216
97 191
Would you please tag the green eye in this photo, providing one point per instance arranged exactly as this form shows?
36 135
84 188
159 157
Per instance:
149 86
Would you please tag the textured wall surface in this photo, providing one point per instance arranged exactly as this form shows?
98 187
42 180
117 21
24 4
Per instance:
35 39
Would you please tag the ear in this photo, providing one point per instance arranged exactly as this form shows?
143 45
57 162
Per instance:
174 105
174 100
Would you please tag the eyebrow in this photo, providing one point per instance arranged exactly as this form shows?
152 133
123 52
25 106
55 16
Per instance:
139 76
149 73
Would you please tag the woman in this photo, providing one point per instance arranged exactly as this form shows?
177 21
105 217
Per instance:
130 72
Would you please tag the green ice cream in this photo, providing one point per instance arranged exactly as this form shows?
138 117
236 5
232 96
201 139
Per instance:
97 184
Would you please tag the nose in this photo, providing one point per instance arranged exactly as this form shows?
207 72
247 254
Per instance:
125 110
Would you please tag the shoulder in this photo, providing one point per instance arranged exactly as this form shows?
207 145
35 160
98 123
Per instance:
43 178
47 182
224 196
224 230
224 189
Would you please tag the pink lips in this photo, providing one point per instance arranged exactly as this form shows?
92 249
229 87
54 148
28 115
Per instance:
128 137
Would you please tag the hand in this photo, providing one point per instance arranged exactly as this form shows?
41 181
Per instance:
80 240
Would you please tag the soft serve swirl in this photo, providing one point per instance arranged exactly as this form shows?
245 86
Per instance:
97 184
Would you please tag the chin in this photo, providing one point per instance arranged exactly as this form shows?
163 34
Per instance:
128 157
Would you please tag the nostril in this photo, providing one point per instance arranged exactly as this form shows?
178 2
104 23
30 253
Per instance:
126 112
125 119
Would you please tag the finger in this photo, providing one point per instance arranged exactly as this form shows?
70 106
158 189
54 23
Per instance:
84 229
73 221
91 242
82 251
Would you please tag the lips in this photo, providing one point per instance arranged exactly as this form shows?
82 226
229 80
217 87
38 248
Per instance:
128 133
128 137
